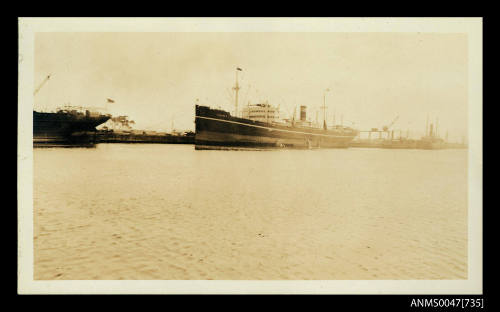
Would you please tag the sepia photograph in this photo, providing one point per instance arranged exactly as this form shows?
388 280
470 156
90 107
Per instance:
250 155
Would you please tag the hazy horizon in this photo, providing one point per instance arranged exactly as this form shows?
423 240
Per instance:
156 78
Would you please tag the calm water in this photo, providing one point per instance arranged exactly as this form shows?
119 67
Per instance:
143 211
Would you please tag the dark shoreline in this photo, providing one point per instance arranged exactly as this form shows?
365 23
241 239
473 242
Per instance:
111 137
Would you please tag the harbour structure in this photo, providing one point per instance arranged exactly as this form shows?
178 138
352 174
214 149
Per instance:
259 128
397 139
382 138
399 142
140 136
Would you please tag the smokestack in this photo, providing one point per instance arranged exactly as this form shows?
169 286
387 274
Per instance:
427 126
303 113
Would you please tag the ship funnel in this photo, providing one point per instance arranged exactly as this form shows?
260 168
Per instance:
303 112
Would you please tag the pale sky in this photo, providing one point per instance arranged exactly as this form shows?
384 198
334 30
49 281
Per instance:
155 78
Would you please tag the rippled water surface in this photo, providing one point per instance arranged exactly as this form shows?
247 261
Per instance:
143 211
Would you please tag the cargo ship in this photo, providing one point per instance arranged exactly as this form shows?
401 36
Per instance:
66 127
259 127
431 141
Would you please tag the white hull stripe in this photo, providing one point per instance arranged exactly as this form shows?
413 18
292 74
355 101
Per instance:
274 129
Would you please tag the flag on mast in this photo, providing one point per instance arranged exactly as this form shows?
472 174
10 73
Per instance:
108 100
239 69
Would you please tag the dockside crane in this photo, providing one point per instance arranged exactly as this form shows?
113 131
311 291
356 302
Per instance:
41 85
380 131
388 127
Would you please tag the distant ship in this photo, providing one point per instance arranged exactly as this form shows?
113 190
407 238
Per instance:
67 126
259 128
431 141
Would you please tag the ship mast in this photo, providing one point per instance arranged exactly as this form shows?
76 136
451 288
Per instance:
437 124
236 88
427 126
324 108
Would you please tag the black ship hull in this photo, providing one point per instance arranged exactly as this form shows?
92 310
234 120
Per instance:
65 129
217 129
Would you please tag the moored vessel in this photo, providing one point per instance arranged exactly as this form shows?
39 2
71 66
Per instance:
66 127
259 128
431 141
